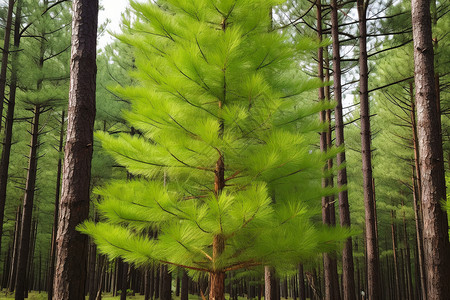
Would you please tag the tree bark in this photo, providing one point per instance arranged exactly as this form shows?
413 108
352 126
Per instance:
27 213
373 276
184 293
51 270
15 253
70 271
92 270
125 280
348 272
270 283
6 152
416 198
409 284
301 283
435 228
4 67
326 218
394 251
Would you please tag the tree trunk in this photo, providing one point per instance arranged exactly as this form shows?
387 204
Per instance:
408 277
270 284
373 276
394 251
125 280
6 152
327 259
70 271
92 274
4 67
27 213
435 230
348 272
184 292
301 283
165 292
51 270
15 253
416 198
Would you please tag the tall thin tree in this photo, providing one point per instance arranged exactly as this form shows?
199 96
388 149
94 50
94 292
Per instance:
348 273
435 227
373 275
7 138
70 271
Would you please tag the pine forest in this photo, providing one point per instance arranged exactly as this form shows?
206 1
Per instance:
225 149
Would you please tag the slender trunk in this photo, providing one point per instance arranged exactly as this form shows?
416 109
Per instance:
6 267
178 286
301 283
327 259
13 271
394 251
4 162
70 271
416 196
184 293
156 282
125 280
330 203
92 269
51 270
4 67
348 272
407 258
373 276
165 292
435 230
217 276
27 212
101 271
270 284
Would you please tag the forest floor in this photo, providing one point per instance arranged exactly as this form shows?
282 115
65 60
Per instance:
43 296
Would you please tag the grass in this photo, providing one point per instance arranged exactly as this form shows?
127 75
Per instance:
105 296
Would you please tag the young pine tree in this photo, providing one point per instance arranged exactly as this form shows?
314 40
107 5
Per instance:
223 164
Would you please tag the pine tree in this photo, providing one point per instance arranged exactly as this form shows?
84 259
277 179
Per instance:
224 163
70 270
435 231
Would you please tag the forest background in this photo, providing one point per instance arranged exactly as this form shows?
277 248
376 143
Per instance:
36 89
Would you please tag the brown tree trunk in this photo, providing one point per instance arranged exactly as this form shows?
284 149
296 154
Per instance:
70 271
125 280
435 230
184 292
301 283
51 270
326 214
348 280
165 292
6 152
92 274
373 276
409 281
270 284
4 67
394 251
27 213
100 278
416 198
15 252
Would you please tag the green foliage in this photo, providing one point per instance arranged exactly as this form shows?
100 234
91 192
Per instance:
212 82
